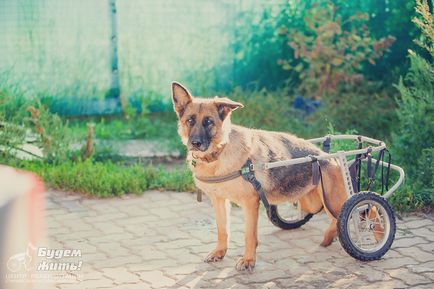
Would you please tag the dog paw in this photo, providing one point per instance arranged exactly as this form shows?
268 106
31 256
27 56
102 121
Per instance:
244 264
215 256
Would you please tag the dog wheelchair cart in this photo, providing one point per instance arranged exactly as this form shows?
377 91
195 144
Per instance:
366 223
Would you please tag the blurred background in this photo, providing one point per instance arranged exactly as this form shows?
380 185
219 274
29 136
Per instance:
85 85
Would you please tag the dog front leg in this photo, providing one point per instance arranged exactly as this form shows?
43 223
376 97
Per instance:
250 209
222 209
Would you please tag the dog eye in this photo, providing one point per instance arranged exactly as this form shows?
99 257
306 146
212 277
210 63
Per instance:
208 122
190 121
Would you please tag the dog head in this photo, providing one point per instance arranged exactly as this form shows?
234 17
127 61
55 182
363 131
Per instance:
203 124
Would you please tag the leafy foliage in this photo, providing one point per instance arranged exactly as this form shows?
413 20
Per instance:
425 24
413 141
368 109
12 133
267 110
331 50
26 120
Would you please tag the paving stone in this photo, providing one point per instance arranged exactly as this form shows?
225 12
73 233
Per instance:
260 277
159 240
393 284
149 265
408 242
106 216
416 254
90 275
407 277
429 275
80 235
393 263
117 261
90 284
424 267
108 227
180 270
83 245
419 223
137 220
429 247
367 273
180 243
144 240
120 275
424 233
156 279
109 238
393 253
139 285
148 252
94 257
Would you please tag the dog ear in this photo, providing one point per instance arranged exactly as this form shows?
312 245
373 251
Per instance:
225 106
181 97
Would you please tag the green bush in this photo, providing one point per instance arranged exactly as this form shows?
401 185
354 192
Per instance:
267 110
413 142
369 109
12 131
331 50
23 120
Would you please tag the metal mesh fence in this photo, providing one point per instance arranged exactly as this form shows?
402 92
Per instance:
62 48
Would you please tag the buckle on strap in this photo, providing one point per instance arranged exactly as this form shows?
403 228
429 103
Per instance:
247 168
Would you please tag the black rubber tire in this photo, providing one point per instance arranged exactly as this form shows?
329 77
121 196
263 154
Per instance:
343 233
280 222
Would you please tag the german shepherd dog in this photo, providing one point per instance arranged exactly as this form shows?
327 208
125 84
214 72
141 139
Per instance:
216 147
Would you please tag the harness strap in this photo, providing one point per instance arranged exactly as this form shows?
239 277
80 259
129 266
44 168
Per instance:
369 167
359 164
317 174
219 179
315 170
326 203
387 171
248 173
371 175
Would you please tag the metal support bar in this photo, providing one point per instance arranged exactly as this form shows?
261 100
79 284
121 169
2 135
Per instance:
398 182
341 156
320 157
346 173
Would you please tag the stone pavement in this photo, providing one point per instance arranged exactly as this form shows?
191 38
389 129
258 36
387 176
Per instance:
159 240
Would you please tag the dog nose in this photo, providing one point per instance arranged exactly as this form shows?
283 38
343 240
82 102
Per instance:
196 143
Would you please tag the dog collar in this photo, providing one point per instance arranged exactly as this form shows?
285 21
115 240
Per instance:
209 158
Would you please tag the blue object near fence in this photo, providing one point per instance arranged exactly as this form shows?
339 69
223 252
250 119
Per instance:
307 105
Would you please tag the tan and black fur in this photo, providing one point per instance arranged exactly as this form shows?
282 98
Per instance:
219 148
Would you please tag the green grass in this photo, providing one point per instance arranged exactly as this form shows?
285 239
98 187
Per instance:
153 126
106 179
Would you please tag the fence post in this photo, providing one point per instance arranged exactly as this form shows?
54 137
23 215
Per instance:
115 88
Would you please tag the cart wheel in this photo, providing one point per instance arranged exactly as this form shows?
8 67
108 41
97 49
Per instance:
366 226
288 216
